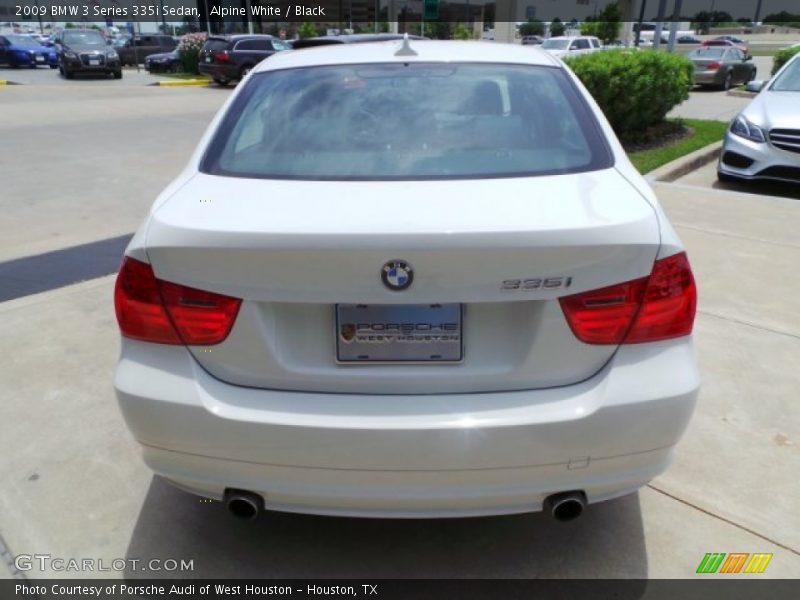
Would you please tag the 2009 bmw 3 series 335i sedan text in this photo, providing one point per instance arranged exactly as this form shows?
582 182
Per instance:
407 279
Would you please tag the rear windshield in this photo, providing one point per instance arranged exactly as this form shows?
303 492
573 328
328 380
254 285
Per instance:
21 40
215 44
407 121
702 53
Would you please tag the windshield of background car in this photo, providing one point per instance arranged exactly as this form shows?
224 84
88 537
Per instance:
707 53
280 45
21 40
84 38
555 44
407 121
789 80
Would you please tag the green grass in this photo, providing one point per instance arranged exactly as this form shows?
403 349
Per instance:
705 133
761 51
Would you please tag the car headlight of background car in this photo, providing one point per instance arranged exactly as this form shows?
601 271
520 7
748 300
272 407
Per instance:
744 128
70 55
112 54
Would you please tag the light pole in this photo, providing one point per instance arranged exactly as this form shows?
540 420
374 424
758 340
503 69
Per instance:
641 20
758 12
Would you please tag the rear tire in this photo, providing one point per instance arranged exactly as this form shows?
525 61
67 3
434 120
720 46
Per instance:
118 74
68 74
221 82
244 71
726 84
176 68
53 66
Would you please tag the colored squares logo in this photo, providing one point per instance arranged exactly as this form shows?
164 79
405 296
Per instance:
733 563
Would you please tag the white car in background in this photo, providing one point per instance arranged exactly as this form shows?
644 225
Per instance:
571 46
407 279
763 141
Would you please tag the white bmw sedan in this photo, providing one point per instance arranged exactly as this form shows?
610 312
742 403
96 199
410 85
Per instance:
407 280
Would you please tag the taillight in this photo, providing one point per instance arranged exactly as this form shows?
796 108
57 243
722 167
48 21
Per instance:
222 56
713 66
657 307
159 311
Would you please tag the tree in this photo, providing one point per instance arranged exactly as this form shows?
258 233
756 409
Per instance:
307 30
705 20
438 30
532 27
556 27
784 18
605 25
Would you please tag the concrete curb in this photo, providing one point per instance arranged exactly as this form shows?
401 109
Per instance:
182 83
741 94
686 164
6 82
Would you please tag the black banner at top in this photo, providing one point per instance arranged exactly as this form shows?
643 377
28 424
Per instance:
119 12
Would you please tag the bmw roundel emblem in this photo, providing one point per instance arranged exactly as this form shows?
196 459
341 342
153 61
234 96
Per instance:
397 275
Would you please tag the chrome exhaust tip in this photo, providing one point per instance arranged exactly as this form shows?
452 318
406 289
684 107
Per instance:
243 505
565 506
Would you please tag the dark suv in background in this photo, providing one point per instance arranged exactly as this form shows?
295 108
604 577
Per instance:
229 58
86 51
136 49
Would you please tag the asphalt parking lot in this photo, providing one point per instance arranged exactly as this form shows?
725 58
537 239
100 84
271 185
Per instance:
81 163
51 77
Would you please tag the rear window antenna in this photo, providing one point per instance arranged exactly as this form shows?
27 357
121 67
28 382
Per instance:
406 49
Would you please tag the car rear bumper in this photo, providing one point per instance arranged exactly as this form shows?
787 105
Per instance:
219 71
409 456
744 159
29 61
708 77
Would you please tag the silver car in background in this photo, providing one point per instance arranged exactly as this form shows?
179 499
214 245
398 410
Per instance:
763 141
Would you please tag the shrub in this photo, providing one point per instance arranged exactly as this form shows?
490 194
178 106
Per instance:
189 50
635 89
782 57
462 33
307 30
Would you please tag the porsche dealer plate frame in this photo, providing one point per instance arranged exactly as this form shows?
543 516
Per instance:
399 333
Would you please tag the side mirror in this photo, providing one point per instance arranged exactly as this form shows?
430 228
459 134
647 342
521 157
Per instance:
748 57
755 86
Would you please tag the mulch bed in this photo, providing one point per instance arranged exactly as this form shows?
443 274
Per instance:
663 134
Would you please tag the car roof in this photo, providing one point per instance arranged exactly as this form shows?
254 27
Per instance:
426 51
573 37
235 37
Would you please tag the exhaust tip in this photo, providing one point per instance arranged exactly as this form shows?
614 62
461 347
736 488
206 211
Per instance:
243 505
565 506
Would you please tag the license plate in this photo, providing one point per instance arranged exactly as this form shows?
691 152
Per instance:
94 63
398 333
40 59
208 59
